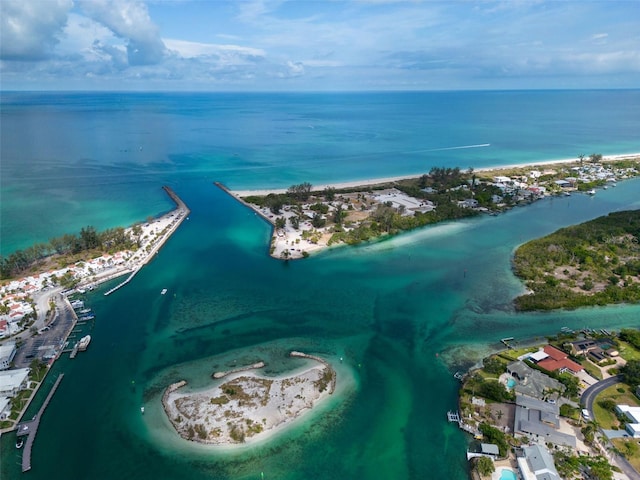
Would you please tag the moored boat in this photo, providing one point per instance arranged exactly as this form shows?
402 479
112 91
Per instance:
84 343
20 442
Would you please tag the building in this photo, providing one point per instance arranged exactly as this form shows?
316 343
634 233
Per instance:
12 381
582 347
559 361
536 463
632 414
532 382
538 419
7 352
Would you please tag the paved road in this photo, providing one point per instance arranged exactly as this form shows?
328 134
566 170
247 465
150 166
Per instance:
587 399
592 392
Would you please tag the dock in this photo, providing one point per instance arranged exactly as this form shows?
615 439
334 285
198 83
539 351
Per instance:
30 428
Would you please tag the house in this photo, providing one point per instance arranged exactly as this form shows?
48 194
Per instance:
12 381
532 383
536 463
632 414
582 347
7 352
540 419
563 183
468 203
558 361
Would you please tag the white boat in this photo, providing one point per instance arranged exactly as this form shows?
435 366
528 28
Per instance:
83 311
77 304
20 442
591 192
84 343
142 410
164 290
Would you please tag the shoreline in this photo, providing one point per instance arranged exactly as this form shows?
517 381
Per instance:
295 234
382 180
246 396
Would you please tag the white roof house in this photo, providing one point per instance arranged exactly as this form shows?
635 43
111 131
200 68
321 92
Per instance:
537 464
633 416
7 352
12 381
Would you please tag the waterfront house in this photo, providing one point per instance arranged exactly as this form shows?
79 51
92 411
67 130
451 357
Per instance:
532 383
537 419
582 347
559 361
536 463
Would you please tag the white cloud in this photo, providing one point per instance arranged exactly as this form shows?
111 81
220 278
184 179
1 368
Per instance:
186 49
129 19
30 29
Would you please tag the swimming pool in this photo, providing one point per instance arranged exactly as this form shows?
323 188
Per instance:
508 474
511 383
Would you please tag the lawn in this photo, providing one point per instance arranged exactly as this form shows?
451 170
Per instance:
627 351
630 448
605 418
591 369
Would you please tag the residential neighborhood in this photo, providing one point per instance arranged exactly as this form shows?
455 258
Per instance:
574 397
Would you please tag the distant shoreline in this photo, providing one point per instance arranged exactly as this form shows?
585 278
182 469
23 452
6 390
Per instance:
377 181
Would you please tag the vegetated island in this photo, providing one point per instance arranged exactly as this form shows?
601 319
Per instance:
594 263
245 406
307 219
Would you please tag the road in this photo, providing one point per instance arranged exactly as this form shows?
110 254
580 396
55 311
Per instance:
587 399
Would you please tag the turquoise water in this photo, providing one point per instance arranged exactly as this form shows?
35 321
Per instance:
511 383
76 159
404 313
508 475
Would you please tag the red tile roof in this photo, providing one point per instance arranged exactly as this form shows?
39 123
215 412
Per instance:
558 360
554 353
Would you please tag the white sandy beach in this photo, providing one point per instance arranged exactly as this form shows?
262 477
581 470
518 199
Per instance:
376 181
246 407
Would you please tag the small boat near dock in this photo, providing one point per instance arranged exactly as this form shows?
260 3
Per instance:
84 343
20 442
163 291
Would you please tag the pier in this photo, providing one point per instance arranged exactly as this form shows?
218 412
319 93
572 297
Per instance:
182 211
30 428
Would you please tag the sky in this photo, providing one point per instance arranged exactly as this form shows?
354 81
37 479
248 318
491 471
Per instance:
321 45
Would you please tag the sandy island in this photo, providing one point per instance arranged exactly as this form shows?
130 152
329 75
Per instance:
244 406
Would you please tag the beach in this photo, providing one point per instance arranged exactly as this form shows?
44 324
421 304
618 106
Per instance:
296 233
368 182
243 406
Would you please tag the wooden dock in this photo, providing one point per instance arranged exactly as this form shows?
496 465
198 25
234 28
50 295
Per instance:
30 428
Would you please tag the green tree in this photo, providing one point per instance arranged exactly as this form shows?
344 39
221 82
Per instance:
631 373
329 194
281 222
485 466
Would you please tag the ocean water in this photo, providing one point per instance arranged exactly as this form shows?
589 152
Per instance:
76 159
404 313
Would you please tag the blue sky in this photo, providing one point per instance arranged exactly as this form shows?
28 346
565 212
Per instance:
265 45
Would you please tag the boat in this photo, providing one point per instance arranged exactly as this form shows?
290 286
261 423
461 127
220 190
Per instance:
164 290
591 192
142 410
84 310
86 317
20 442
77 304
84 343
